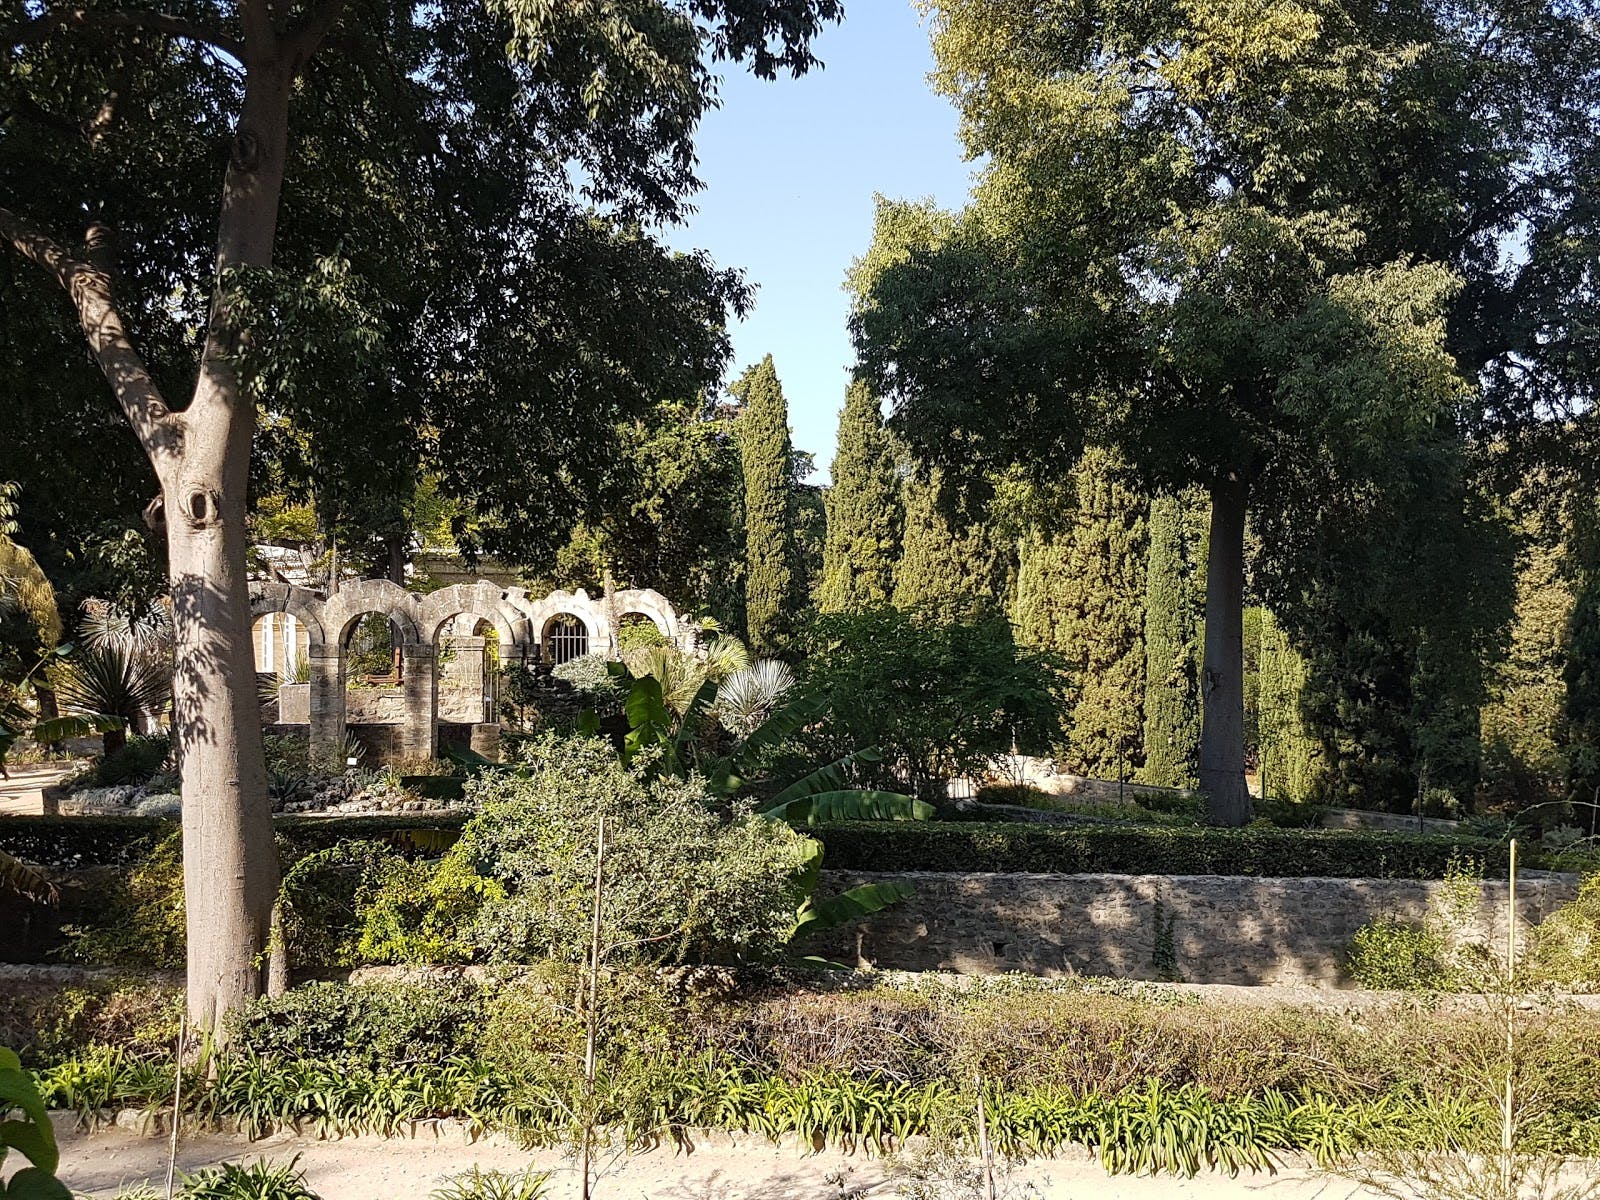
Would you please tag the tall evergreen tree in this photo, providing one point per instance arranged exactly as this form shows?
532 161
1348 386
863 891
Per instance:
865 517
1172 692
767 459
942 558
1289 759
1080 592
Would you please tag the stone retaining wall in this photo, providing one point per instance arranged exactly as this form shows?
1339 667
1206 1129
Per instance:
1200 928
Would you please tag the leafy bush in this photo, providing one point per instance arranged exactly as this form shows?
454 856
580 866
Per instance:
139 760
44 1022
1257 851
1566 948
681 881
1436 955
941 691
589 675
365 1025
260 1180
144 925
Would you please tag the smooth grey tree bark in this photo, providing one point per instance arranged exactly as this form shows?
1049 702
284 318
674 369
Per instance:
201 456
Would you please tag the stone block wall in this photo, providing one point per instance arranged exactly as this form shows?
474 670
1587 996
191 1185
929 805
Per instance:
1200 928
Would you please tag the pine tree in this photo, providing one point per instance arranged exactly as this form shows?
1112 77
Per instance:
865 516
1080 591
1171 640
944 562
1290 763
767 460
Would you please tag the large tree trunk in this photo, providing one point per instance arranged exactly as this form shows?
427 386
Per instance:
230 869
1222 680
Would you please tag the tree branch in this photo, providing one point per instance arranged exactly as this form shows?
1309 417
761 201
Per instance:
79 18
88 281
303 42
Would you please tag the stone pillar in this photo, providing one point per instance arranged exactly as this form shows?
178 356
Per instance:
327 707
418 738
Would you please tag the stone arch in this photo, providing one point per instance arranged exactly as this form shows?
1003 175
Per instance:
482 600
355 600
303 606
597 627
647 603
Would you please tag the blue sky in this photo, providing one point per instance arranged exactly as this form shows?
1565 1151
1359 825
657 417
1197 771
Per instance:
790 169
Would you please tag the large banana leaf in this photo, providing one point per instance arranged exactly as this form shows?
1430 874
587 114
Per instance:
851 804
831 778
850 906
781 725
58 729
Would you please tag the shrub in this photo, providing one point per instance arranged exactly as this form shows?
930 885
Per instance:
970 846
144 924
475 1184
1566 948
43 1022
261 1180
139 760
419 912
682 883
1438 954
588 674
940 691
365 1025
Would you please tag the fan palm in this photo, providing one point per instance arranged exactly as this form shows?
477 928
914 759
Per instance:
113 684
747 698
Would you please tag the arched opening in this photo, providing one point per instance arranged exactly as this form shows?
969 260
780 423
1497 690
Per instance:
468 654
636 630
281 645
374 686
565 638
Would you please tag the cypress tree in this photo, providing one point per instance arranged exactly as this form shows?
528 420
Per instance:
864 510
1290 764
767 460
941 561
1171 640
1080 592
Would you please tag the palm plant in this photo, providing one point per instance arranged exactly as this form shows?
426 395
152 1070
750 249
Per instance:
681 675
747 698
107 688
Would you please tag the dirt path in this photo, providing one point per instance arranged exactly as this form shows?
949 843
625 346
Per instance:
409 1169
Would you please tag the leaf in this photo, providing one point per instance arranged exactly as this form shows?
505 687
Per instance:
58 729
788 720
851 906
830 778
35 1141
851 805
31 1183
17 1091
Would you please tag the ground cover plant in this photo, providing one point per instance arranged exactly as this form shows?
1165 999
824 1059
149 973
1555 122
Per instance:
1147 1079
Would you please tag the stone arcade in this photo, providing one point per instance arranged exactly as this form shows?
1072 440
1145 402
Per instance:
528 630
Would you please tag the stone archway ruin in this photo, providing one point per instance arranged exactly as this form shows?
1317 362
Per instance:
419 620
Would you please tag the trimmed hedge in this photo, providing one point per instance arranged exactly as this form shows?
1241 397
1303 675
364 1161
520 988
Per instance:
66 842
878 846
1150 850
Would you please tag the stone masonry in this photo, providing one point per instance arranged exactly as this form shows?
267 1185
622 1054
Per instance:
1199 928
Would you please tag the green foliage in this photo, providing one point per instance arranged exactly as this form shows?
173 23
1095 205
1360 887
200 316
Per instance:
1257 851
772 590
421 912
1289 757
1172 655
31 1135
143 923
1079 592
1146 1080
139 761
260 1180
1566 948
682 883
478 1184
1436 955
865 516
363 1026
948 557
939 690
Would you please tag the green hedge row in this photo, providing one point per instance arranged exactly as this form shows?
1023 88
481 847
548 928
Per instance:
931 846
66 842
1152 850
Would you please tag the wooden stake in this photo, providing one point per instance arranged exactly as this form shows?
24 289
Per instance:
177 1103
1506 1124
591 1018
